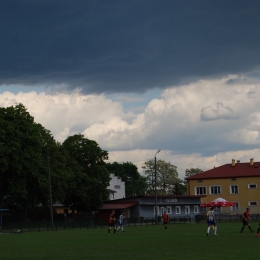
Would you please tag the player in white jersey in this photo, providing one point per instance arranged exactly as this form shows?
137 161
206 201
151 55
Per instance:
212 221
121 221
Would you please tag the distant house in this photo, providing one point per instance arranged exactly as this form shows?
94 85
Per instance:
237 182
144 206
116 188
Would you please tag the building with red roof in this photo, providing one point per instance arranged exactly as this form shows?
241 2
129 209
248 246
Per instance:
236 182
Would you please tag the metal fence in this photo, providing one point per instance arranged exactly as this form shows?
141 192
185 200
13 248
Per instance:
227 218
90 223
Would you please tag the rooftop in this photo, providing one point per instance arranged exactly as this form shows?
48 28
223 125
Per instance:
230 170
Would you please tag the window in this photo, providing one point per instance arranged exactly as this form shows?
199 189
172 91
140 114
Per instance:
233 179
200 190
187 209
117 186
233 189
196 209
215 189
177 210
200 181
252 203
236 207
169 210
252 186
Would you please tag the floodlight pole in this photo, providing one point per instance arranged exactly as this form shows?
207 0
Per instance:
155 188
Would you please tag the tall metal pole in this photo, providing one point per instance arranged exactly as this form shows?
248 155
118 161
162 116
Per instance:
50 190
155 185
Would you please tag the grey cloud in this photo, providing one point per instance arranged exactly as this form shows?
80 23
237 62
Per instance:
125 46
251 94
209 113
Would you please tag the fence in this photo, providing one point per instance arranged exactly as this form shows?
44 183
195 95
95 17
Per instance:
227 218
82 223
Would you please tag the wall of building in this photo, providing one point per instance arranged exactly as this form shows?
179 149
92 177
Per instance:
244 191
175 206
116 184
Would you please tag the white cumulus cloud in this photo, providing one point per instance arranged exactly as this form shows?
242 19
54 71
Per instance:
185 122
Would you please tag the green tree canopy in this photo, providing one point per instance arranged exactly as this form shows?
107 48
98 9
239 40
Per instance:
28 153
167 176
87 187
23 179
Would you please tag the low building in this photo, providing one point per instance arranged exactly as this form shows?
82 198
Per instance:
143 207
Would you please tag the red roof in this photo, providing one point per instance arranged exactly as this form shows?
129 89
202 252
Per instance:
171 196
115 206
239 170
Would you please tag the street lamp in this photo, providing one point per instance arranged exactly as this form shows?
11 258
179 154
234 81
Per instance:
155 184
50 189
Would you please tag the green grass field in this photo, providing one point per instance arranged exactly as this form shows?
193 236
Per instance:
181 241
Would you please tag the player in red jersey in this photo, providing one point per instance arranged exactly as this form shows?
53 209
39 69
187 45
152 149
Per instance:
165 220
112 222
246 218
257 231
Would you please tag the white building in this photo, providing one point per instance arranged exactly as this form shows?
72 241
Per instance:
116 188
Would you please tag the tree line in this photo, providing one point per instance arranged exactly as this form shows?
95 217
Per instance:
29 155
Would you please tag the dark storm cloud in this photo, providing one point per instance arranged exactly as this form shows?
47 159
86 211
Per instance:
126 45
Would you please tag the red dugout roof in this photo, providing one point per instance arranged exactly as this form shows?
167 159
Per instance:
115 206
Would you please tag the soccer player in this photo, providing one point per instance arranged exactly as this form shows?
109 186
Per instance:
112 222
246 217
165 220
212 221
257 231
121 221
214 227
207 216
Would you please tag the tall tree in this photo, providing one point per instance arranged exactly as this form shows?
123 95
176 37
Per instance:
135 184
29 155
58 164
87 187
167 176
23 180
180 187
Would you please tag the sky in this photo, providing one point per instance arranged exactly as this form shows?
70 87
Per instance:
137 76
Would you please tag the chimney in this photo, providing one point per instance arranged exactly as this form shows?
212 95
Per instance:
233 162
251 161
238 161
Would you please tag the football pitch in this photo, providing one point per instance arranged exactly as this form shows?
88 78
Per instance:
181 241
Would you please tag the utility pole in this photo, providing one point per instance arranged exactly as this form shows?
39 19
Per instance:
50 189
155 183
